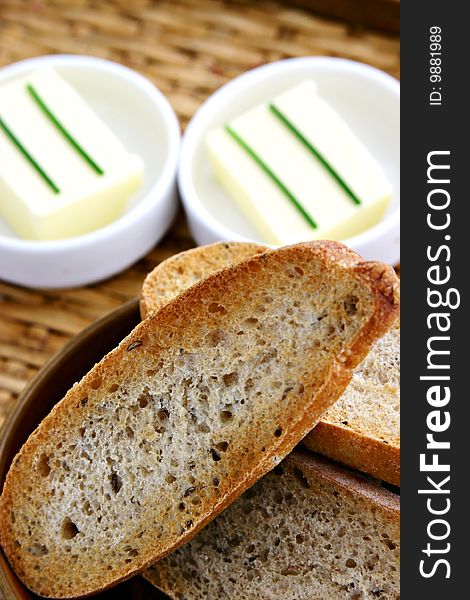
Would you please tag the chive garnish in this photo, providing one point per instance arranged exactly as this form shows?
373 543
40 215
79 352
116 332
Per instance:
260 162
298 134
28 156
60 127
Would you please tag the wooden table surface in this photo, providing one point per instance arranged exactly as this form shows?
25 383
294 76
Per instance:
186 48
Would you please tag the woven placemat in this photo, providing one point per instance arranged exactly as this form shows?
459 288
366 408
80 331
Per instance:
188 49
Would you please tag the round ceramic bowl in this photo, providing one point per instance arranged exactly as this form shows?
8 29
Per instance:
45 390
142 118
368 100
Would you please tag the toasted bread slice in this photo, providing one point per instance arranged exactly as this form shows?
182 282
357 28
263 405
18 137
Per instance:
362 429
182 270
194 406
309 529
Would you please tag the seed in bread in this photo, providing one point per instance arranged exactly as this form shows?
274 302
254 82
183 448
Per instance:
195 405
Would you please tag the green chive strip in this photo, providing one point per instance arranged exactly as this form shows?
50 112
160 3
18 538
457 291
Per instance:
282 117
259 161
32 161
67 135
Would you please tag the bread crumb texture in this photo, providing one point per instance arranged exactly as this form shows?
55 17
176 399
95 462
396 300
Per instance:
307 530
195 405
362 429
375 391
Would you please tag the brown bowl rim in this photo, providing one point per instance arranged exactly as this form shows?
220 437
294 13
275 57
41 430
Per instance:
126 314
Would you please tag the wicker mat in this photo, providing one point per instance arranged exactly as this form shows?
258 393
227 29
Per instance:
188 49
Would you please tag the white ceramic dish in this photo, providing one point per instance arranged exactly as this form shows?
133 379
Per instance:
143 119
367 98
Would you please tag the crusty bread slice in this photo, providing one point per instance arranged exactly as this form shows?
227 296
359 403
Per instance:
362 429
196 404
309 530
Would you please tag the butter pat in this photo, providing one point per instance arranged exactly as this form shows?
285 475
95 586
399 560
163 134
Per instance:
63 173
297 171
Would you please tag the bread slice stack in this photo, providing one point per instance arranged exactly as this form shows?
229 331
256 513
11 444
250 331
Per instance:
309 529
196 404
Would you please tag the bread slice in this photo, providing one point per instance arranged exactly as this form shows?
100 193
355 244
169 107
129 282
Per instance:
309 530
362 429
196 404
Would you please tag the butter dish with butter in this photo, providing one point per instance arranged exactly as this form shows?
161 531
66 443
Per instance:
63 172
297 171
88 158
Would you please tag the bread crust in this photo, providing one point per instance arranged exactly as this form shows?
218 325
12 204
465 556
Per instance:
363 452
182 317
349 481
182 270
